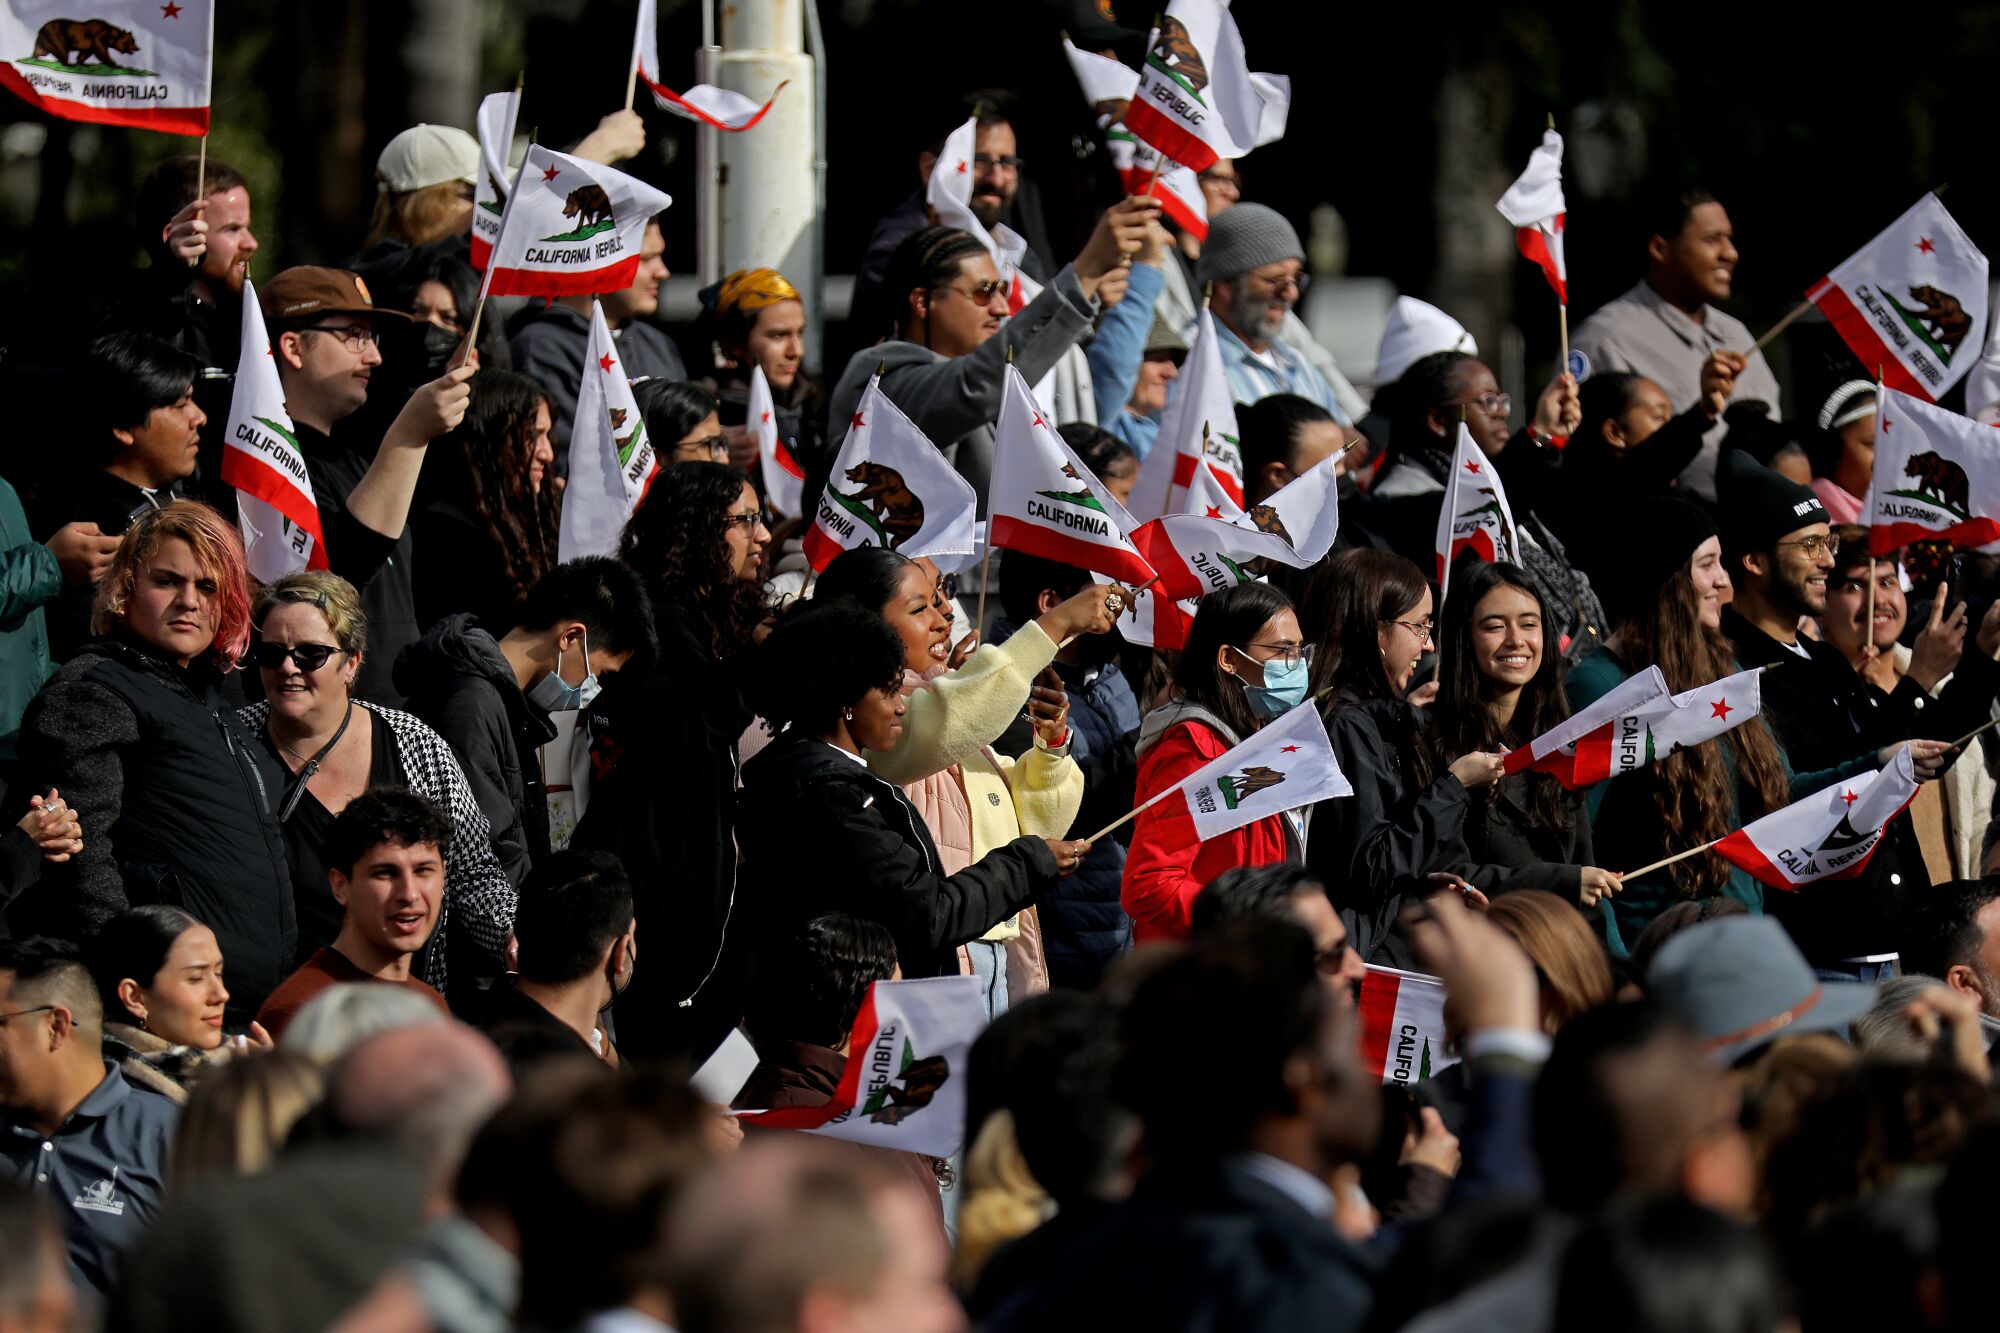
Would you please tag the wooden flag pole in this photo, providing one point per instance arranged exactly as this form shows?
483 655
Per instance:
1986 726
1132 814
1790 317
986 560
1871 518
1451 503
201 171
1668 860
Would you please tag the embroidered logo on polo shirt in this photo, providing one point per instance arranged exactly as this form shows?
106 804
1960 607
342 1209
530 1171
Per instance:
101 1197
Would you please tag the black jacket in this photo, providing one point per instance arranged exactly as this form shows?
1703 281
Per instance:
1824 714
823 834
173 810
1209 1248
455 679
114 505
377 565
1373 849
663 799
1503 848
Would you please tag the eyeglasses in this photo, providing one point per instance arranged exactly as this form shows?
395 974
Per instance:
1492 404
1421 628
1286 654
309 656
1330 961
353 336
713 447
749 522
1233 184
23 1013
986 161
982 294
1813 545
1298 282
947 587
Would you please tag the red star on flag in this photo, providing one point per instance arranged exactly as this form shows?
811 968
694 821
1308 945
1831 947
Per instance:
1288 749
605 362
857 423
1850 798
551 173
267 351
765 419
1721 709
1471 466
960 168
1038 419
1214 512
1924 244
170 10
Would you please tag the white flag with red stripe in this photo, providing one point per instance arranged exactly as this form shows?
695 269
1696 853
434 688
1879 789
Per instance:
1911 302
1475 515
949 193
1936 477
719 108
569 228
1288 765
1042 499
1403 1038
611 462
262 460
890 487
1153 622
1828 835
1198 429
142 63
1195 555
1196 100
1534 204
495 122
784 479
1304 512
1108 86
903 1086
1640 730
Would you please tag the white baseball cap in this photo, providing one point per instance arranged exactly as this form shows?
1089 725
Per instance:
426 155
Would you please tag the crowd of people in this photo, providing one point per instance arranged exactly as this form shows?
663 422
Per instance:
364 927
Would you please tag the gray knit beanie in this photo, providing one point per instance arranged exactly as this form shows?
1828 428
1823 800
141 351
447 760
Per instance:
1244 237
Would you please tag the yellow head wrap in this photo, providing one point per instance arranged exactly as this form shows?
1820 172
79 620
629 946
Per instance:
753 289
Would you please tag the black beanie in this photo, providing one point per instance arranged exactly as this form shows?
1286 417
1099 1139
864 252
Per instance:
1760 507
1670 529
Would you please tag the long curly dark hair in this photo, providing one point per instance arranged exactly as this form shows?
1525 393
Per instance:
675 539
1690 787
1463 722
485 468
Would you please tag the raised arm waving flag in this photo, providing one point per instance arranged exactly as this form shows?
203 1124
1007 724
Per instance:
1196 100
1912 301
140 63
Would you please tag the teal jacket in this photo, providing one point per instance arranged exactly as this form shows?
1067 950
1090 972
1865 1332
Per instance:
29 580
1625 823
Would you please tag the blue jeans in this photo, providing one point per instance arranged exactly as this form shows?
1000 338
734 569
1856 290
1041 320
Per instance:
989 964
1888 971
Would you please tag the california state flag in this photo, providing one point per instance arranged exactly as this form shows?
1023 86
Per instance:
1641 730
1197 101
1198 429
1108 86
1153 622
904 1082
1195 556
890 487
495 122
1534 204
1936 477
1286 766
719 108
1304 513
949 193
611 462
1911 302
1475 515
1828 835
1403 1037
262 460
784 479
1044 501
569 228
141 63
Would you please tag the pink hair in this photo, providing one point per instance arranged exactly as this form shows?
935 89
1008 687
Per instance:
217 549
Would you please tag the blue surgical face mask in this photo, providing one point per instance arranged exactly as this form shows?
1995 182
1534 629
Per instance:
553 694
1284 688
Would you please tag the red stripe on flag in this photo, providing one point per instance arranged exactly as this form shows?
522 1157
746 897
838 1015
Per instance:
481 248
1533 245
845 1097
588 282
1184 477
1018 534
1479 543
1592 761
1378 1016
688 108
166 120
1168 135
819 547
785 460
1859 334
261 481
1888 538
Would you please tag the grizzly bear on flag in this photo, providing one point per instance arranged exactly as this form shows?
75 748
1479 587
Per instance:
87 38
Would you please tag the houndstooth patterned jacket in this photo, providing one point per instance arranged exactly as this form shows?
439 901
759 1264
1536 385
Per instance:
476 890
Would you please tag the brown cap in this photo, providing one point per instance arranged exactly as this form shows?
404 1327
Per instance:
306 291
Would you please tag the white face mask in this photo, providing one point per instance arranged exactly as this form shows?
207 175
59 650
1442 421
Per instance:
553 694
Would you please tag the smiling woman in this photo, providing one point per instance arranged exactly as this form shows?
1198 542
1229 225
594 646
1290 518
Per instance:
159 975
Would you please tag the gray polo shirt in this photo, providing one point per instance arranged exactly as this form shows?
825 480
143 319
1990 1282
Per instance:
1644 333
100 1172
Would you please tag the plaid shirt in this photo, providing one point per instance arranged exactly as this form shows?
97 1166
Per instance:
1252 378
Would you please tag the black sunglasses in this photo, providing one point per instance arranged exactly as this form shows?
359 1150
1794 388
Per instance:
309 656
